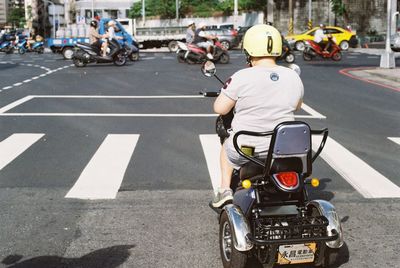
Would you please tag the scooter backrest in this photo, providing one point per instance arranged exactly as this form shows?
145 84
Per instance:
292 140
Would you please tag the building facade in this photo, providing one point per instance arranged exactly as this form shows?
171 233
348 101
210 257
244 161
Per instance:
3 12
88 9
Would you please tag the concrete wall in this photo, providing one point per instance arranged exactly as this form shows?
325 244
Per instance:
363 15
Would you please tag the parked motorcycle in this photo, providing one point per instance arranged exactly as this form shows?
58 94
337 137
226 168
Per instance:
271 216
192 54
287 53
85 53
313 50
35 47
7 47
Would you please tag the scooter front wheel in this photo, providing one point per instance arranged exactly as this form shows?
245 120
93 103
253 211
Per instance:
21 51
79 63
231 257
306 56
290 58
181 56
224 58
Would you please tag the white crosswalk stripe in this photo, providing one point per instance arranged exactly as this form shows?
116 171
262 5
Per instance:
15 145
395 139
211 148
103 175
366 180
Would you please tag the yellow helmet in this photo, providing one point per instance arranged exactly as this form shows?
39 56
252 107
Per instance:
262 41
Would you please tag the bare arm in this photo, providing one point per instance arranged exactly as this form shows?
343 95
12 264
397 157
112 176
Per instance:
223 104
299 104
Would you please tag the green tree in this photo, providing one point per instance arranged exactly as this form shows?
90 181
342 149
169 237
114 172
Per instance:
339 9
17 17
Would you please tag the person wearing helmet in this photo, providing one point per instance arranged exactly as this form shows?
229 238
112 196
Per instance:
203 40
109 36
190 32
319 36
262 96
94 36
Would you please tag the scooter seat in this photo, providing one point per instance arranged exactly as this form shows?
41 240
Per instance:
250 170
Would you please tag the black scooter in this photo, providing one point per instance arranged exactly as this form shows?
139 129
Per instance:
287 53
271 217
85 53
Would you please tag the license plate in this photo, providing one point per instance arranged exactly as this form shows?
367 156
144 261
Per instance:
298 253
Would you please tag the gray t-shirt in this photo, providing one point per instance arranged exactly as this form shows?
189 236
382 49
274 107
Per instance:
265 97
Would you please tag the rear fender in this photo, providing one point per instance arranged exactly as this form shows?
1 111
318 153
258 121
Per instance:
240 228
326 209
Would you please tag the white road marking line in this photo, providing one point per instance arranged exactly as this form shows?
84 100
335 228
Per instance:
311 111
313 114
395 139
27 81
148 58
366 180
211 148
7 87
17 84
118 97
15 145
35 77
103 175
15 104
107 115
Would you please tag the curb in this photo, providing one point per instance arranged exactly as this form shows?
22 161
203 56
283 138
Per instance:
347 71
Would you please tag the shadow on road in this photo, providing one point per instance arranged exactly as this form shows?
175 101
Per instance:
110 257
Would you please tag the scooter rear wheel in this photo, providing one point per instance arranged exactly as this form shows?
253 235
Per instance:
337 56
231 257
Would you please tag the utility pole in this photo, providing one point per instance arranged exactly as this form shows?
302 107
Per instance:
387 58
290 17
235 13
309 14
143 12
177 9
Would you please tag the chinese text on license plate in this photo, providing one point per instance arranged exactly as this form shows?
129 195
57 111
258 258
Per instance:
299 253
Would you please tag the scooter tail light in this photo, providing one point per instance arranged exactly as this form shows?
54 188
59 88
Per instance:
288 179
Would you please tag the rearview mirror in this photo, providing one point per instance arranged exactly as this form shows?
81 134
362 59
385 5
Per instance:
295 68
209 68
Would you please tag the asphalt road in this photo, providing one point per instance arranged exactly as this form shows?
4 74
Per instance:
68 124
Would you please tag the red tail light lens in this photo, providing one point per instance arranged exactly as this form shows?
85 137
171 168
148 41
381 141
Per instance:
234 32
288 179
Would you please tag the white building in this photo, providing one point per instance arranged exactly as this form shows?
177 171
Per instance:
103 8
3 11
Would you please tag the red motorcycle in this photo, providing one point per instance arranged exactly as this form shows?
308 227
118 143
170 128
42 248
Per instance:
192 54
312 50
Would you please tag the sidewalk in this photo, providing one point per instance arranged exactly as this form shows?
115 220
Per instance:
389 78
